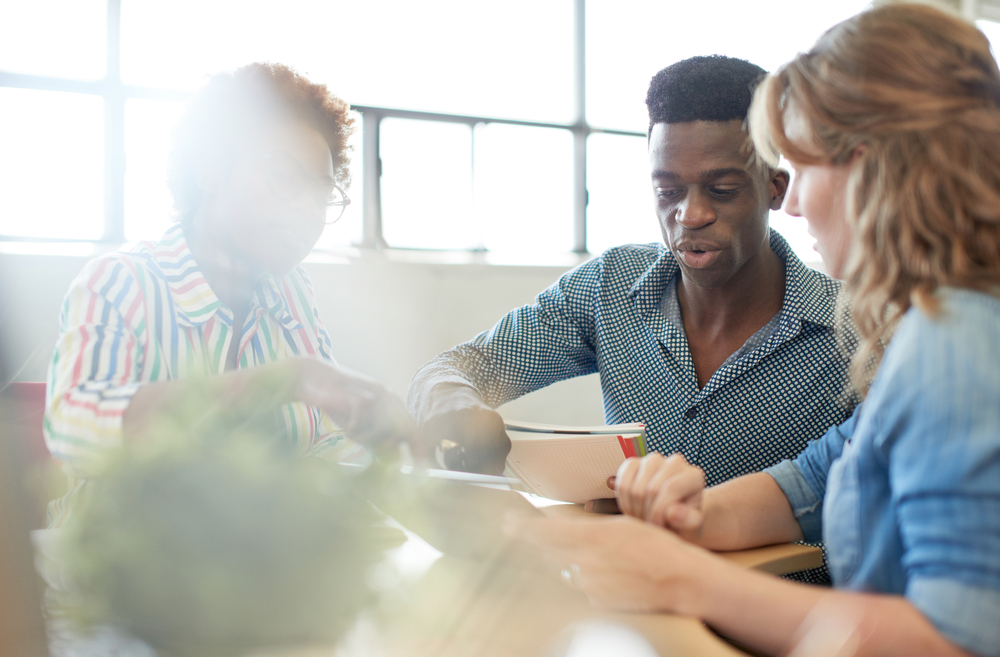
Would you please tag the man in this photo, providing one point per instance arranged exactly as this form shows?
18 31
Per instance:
721 342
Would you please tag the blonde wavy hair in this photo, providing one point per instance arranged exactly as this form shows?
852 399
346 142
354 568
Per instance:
919 91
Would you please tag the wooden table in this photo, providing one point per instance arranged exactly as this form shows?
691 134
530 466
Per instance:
775 559
505 603
495 602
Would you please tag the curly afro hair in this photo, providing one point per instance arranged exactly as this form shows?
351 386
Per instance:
713 88
235 104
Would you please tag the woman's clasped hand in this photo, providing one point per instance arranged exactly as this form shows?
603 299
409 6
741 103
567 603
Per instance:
664 491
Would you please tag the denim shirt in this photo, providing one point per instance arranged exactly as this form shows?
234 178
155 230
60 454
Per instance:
906 493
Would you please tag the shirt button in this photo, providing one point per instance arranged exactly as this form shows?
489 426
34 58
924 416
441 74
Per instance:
692 412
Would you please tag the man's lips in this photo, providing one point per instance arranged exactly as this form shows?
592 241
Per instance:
697 246
698 256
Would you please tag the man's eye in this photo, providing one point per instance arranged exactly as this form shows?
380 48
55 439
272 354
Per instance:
724 192
667 193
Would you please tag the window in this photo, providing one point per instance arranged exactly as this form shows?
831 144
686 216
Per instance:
147 200
487 126
52 169
628 42
427 182
620 208
57 38
523 186
511 61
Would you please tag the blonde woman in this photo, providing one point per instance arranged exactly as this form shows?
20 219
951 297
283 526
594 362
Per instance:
892 124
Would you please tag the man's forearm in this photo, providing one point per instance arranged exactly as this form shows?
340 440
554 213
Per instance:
444 371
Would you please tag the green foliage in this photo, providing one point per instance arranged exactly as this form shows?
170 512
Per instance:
204 541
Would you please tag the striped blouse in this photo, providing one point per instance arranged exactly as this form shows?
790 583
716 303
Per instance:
147 314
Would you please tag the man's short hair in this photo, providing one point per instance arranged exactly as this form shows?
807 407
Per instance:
713 88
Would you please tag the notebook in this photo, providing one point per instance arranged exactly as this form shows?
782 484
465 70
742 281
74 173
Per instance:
571 464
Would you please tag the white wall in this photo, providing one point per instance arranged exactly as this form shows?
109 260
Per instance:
386 314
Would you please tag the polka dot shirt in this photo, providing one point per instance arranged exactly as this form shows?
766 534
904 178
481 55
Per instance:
606 316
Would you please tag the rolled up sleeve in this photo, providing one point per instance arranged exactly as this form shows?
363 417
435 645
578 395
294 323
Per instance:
803 479
94 373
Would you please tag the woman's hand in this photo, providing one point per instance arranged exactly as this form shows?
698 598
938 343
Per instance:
366 411
619 563
624 564
662 491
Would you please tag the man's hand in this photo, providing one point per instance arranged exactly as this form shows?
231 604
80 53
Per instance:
467 434
662 491
362 407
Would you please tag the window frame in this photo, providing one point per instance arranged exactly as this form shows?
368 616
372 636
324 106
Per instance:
115 94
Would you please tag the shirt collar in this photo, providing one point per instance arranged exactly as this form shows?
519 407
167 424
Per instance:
648 289
193 297
268 294
809 295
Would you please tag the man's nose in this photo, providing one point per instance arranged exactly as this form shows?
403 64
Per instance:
695 211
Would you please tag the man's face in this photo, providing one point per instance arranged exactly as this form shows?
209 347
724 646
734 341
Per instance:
711 204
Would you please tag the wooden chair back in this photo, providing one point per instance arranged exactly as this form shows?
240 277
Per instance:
24 410
22 628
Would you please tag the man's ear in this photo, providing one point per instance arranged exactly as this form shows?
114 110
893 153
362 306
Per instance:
778 187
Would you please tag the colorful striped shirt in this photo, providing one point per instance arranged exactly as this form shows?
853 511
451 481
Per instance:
147 314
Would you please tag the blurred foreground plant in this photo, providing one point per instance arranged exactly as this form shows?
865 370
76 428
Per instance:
203 540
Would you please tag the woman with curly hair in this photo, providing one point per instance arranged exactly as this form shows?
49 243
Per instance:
217 317
892 124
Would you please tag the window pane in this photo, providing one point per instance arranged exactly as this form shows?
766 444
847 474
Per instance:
630 40
148 204
348 229
427 185
52 169
621 209
439 55
510 59
216 35
524 188
992 31
60 38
